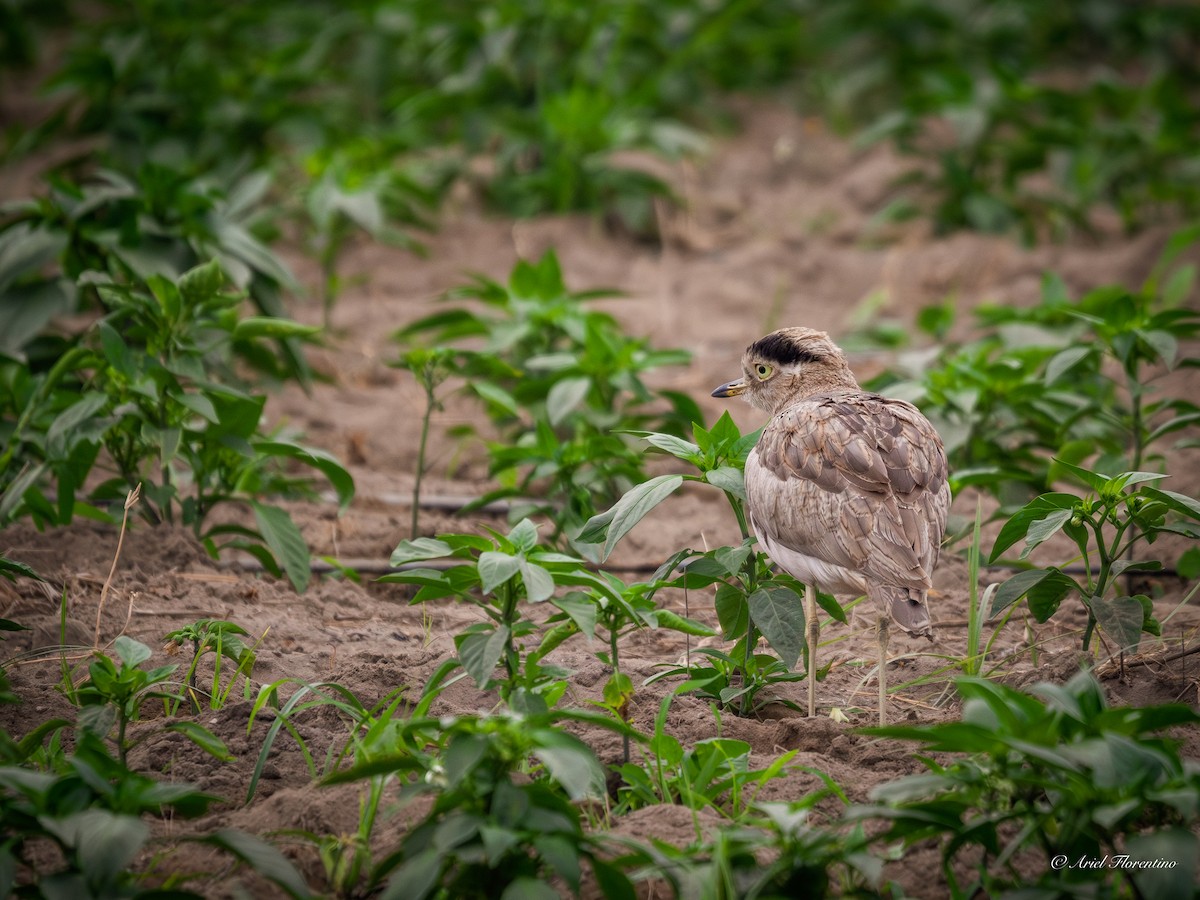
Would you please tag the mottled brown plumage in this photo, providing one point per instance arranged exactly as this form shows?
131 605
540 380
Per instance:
846 489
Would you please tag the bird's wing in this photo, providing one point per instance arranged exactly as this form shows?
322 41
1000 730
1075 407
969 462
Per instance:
855 480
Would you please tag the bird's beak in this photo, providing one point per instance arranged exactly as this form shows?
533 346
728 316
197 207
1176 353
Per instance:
731 388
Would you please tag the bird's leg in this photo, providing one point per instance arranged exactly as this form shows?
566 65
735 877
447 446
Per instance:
812 633
884 621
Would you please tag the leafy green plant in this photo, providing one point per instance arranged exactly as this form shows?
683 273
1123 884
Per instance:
751 600
507 576
90 808
354 191
776 850
160 222
223 640
1106 524
153 384
1046 791
431 368
113 693
1040 382
559 381
492 830
1031 117
714 773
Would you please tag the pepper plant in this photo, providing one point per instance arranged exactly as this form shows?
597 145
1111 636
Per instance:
1119 513
752 601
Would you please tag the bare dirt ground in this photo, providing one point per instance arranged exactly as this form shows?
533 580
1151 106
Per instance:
776 228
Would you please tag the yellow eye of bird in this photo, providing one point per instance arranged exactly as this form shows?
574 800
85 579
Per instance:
763 371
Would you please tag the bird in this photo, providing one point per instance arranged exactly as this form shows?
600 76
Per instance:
846 490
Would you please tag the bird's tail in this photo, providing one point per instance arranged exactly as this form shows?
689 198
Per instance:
907 607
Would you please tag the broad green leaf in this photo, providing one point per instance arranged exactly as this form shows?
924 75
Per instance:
524 536
1056 584
670 444
565 396
198 284
779 614
1095 480
634 506
480 653
570 761
728 478
286 542
732 610
1181 503
262 857
326 463
1018 525
1121 618
1176 844
104 841
581 610
1044 529
527 888
132 653
496 568
497 396
419 550
539 584
202 738
1064 361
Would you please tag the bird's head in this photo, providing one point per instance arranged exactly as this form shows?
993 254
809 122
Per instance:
788 365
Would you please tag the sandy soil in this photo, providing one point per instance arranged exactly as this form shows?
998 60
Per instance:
776 228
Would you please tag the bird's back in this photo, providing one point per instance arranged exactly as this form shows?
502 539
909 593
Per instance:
847 490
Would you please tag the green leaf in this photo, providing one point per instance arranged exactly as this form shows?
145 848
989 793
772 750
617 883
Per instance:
1064 361
1181 503
628 511
1121 618
198 284
496 568
106 843
1189 563
527 888
728 478
285 541
132 653
524 536
732 610
570 761
779 614
1017 526
261 857
565 396
419 550
202 738
1177 845
1052 586
1044 529
480 652
1095 480
326 463
539 584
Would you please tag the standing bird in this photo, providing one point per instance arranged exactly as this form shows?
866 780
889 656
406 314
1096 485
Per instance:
846 489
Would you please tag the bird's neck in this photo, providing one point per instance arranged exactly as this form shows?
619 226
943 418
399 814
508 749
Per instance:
815 383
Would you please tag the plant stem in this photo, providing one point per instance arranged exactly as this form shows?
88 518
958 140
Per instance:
427 381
